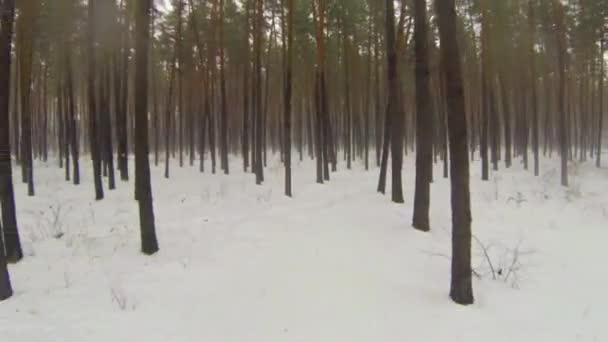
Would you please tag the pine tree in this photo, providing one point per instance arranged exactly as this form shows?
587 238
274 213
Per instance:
424 123
461 289
143 189
10 232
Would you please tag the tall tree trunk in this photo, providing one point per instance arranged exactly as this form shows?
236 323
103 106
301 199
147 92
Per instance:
26 27
424 120
143 189
461 289
533 88
386 139
223 109
368 95
393 106
259 166
169 111
105 121
288 98
506 106
10 231
347 91
318 128
93 131
561 64
598 161
121 60
180 84
378 102
45 113
6 290
246 89
72 133
485 89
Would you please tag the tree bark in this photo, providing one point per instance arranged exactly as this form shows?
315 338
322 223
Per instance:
224 111
149 244
26 26
533 88
10 232
461 289
93 131
561 64
598 161
288 99
424 119
259 166
393 105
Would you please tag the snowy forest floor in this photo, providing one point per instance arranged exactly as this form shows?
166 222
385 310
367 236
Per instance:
338 262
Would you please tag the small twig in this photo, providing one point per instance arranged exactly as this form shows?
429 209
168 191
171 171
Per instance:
487 256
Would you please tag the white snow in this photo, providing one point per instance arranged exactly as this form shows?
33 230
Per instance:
339 262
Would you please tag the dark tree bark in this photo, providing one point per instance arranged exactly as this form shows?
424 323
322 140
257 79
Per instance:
318 130
6 290
43 143
224 111
106 124
424 119
72 133
288 99
180 81
324 132
204 73
561 65
368 95
598 161
506 105
393 106
378 101
10 232
246 89
93 131
461 289
143 189
64 130
347 92
533 88
26 26
258 165
60 121
155 112
169 113
121 60
385 150
485 89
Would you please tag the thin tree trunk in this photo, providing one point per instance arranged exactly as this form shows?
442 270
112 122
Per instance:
424 120
533 88
288 99
561 64
10 236
120 97
93 131
461 289
71 121
485 89
246 89
149 244
259 166
26 26
394 104
598 161
224 112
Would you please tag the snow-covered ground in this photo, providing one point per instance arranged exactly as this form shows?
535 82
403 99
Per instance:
339 262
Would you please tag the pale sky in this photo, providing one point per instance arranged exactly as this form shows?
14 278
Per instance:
163 5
